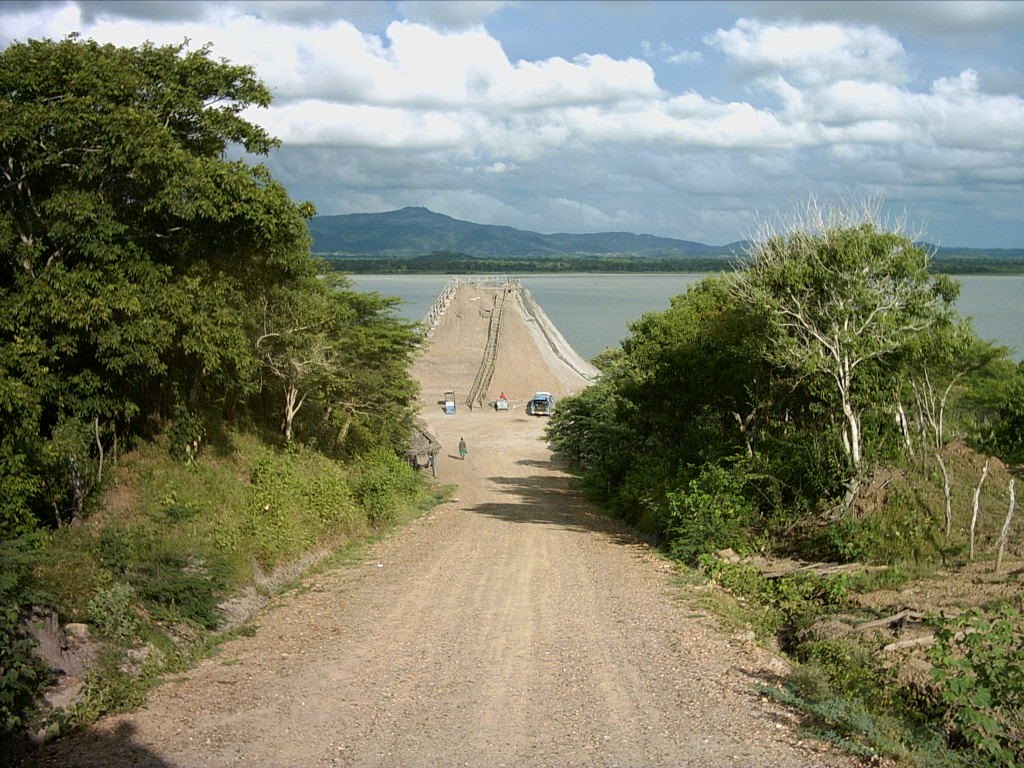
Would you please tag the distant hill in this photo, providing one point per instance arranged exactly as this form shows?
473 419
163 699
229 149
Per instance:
412 235
417 231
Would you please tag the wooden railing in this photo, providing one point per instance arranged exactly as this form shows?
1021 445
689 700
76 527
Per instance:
440 304
485 373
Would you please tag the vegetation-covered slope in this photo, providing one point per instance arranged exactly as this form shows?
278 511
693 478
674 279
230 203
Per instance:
755 415
152 288
414 240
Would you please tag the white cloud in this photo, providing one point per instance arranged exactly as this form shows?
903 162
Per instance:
813 53
950 18
430 109
322 122
685 57
450 14
668 53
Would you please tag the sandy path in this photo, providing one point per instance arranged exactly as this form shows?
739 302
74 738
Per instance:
513 626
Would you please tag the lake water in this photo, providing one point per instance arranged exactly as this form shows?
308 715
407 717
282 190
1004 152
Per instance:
593 311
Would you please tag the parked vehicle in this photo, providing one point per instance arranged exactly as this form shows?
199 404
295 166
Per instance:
542 404
449 402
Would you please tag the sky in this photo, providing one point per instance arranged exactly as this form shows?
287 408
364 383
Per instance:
696 120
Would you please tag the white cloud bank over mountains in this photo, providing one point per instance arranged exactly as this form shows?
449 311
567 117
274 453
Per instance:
432 110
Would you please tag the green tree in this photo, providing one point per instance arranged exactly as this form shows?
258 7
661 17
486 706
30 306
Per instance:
841 292
132 250
369 400
1007 438
341 357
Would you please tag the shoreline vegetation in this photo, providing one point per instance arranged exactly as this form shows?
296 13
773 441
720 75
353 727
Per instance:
945 261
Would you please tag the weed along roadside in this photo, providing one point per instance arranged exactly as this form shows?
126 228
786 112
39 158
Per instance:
181 556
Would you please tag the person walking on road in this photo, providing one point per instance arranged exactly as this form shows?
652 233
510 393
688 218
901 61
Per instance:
462 448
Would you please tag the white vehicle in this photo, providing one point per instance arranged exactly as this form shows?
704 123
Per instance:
542 404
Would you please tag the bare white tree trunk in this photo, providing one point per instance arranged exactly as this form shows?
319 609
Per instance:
946 493
746 431
977 505
99 448
904 425
292 404
851 432
1004 534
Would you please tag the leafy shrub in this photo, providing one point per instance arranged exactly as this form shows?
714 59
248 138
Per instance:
177 511
1008 434
382 481
114 548
186 434
173 593
712 513
174 586
783 601
841 719
112 612
22 673
21 487
851 669
979 665
300 497
901 532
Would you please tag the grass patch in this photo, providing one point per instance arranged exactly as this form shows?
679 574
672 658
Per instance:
150 568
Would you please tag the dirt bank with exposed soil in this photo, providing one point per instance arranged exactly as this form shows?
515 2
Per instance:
513 626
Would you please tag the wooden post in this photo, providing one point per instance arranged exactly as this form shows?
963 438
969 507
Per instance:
977 504
1005 533
945 490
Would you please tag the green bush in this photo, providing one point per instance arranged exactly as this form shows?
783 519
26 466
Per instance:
186 434
979 665
712 513
784 601
112 612
1008 433
382 481
174 585
22 673
902 532
852 669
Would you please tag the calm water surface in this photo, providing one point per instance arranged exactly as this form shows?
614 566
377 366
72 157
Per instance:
594 311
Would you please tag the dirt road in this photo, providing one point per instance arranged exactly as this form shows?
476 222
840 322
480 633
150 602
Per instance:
514 626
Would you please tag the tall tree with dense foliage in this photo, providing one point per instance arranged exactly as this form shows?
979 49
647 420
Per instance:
149 282
842 292
130 249
137 259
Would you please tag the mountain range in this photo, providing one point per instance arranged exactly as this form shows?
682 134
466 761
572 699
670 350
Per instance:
416 231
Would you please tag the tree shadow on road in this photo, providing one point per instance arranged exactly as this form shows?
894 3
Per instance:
551 500
89 749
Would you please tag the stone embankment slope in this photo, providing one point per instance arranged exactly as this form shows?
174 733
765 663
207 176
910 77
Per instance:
513 626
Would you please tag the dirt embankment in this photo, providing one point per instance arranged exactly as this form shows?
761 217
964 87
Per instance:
513 626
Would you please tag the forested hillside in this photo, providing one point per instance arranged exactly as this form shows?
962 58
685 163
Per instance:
417 240
418 231
164 331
